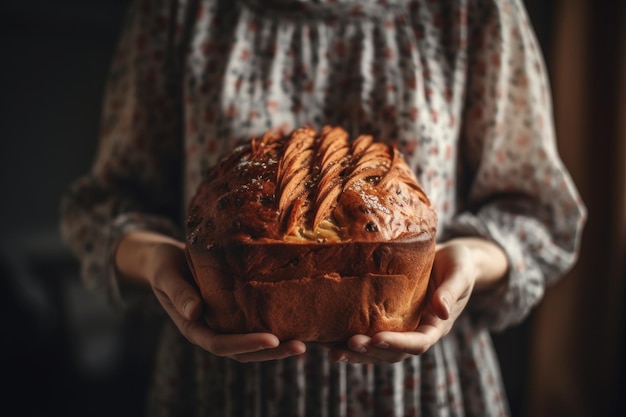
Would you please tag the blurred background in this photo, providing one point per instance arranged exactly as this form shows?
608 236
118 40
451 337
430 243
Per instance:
65 351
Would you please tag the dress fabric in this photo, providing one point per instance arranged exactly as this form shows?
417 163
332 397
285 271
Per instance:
459 86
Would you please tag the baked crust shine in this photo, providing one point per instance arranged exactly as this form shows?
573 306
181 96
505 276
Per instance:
311 236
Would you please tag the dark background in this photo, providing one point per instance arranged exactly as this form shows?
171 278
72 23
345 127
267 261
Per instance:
62 348
64 352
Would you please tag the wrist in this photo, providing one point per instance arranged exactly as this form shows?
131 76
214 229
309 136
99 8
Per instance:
136 257
489 260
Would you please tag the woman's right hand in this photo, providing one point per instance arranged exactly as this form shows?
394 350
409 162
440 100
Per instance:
159 261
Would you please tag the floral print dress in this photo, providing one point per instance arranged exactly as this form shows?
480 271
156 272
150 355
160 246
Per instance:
461 88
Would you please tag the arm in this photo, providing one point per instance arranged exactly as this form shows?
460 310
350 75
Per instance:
134 183
489 261
521 223
157 261
122 219
463 267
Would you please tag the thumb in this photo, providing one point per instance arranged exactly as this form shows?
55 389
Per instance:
185 298
456 288
441 303
453 274
178 295
192 308
174 282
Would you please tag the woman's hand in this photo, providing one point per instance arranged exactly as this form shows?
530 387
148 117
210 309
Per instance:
158 261
461 266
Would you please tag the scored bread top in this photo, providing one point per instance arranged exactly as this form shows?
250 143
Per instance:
310 186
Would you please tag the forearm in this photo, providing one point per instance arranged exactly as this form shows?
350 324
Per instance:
135 255
490 261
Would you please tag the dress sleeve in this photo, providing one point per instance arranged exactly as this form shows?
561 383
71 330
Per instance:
134 182
515 188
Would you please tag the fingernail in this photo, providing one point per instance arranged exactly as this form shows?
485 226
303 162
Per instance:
446 305
360 349
343 359
382 345
188 308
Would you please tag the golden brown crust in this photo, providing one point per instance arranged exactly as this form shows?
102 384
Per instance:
311 236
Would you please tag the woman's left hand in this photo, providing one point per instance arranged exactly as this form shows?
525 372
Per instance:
454 275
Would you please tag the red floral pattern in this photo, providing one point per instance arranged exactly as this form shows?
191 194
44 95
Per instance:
459 86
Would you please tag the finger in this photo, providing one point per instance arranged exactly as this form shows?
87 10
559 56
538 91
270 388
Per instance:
343 354
371 356
450 297
359 343
413 343
182 295
284 350
455 289
238 344
454 278
440 303
358 349
195 331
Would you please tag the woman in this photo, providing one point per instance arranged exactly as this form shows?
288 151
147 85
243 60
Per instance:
460 87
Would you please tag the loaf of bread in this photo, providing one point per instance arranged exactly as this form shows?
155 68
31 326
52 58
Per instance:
311 236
